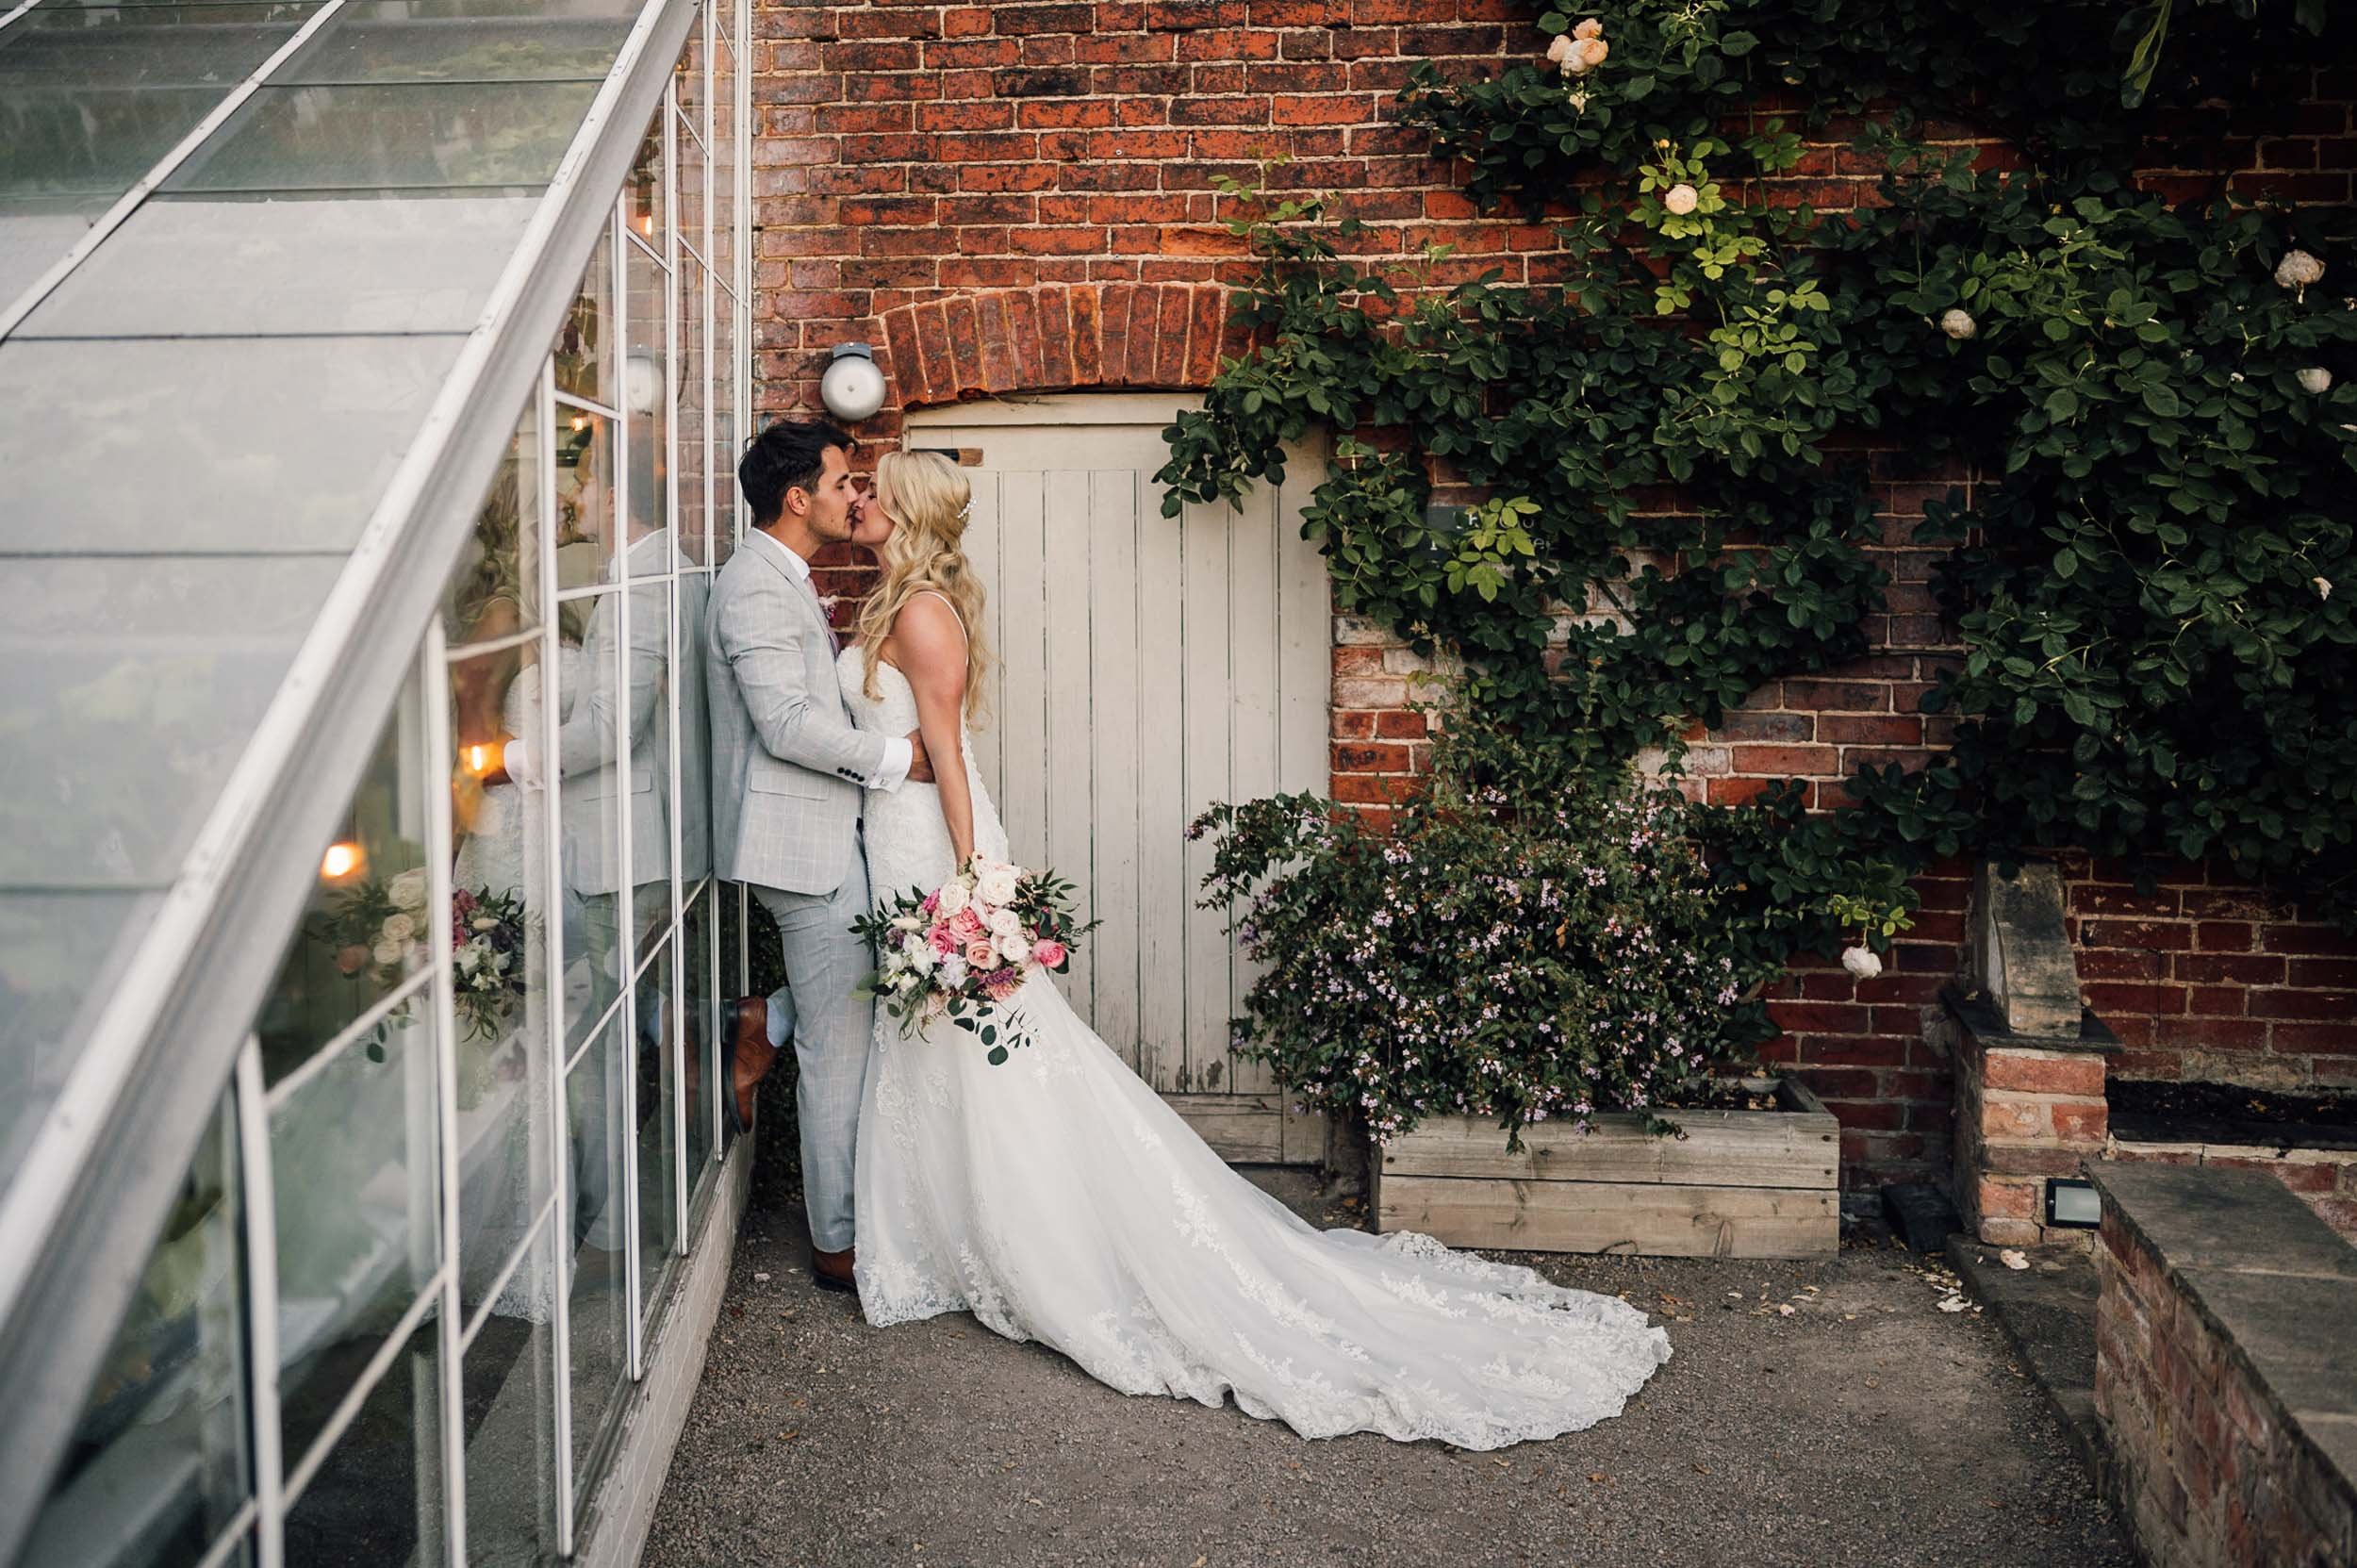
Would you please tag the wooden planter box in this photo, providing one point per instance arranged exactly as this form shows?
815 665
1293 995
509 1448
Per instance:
1740 1184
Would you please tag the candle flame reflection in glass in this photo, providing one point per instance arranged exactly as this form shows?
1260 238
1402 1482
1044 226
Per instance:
341 862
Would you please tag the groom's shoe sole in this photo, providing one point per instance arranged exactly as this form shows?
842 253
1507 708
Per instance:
829 1282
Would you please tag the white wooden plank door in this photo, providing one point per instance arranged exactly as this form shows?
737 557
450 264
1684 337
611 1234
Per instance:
1147 667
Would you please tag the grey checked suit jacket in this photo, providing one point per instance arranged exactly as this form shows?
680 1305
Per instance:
786 765
590 738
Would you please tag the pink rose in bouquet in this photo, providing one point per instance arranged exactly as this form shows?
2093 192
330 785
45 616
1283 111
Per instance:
1050 955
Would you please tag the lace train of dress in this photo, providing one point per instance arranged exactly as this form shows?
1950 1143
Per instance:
1058 1198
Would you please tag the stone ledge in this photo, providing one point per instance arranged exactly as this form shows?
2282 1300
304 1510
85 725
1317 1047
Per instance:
2267 1277
1980 1019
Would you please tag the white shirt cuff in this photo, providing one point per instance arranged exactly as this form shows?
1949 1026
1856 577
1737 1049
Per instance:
899 755
515 756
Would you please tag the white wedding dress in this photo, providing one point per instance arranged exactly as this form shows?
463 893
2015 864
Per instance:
1056 1199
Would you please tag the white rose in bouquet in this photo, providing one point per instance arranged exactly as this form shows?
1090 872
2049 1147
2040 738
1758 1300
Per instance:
1014 949
385 952
399 928
407 890
1003 922
998 883
953 896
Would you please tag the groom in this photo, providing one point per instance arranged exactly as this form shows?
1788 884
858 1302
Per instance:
787 769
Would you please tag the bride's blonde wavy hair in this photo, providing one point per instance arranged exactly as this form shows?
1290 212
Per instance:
926 497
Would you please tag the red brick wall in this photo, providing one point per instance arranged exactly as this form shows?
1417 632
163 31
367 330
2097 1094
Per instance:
2204 1466
1019 197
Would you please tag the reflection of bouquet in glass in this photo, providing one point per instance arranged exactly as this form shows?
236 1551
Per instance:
969 945
379 930
487 959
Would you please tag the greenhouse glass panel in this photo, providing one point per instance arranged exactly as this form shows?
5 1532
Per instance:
244 266
659 1030
400 134
705 1046
585 345
352 1160
386 41
266 446
644 196
687 185
695 732
691 394
735 979
647 310
377 1498
726 448
509 1394
651 683
61 956
364 931
720 180
130 686
499 985
36 230
591 795
600 1285
160 1467
690 88
143 46
494 593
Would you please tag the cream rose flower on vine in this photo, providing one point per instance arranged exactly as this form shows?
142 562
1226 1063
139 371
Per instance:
1580 51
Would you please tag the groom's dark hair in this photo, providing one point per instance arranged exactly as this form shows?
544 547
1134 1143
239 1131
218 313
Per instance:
789 453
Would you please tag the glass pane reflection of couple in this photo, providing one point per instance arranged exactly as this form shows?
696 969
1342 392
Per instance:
609 915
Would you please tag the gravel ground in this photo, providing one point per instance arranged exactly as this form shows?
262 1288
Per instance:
1820 1413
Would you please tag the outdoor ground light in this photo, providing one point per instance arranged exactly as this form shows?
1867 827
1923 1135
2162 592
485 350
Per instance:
2072 1204
853 387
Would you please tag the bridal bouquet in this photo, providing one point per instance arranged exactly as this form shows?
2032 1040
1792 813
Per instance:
965 948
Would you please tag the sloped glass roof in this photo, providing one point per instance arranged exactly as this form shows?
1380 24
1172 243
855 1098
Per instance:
209 408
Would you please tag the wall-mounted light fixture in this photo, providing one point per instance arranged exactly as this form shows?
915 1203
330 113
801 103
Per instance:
853 387
640 384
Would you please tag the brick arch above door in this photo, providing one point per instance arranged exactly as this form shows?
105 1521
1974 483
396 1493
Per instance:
1058 338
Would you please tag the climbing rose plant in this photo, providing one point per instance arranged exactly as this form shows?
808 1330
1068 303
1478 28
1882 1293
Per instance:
2155 400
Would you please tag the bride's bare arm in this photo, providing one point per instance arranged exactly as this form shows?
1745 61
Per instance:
929 646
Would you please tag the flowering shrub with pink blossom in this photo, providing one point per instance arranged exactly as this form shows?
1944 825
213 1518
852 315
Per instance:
1534 954
964 950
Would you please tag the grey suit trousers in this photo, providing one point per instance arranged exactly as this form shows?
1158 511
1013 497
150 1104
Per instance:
834 1036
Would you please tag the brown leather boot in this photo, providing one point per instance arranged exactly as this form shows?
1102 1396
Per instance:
751 1055
832 1271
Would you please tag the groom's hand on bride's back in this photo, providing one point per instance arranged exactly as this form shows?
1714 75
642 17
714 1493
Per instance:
920 765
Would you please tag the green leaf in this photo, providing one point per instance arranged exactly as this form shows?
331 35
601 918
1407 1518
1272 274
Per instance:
997 1057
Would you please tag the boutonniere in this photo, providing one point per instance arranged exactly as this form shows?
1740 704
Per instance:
827 602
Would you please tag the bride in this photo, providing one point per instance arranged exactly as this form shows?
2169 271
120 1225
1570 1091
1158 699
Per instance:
1056 1199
